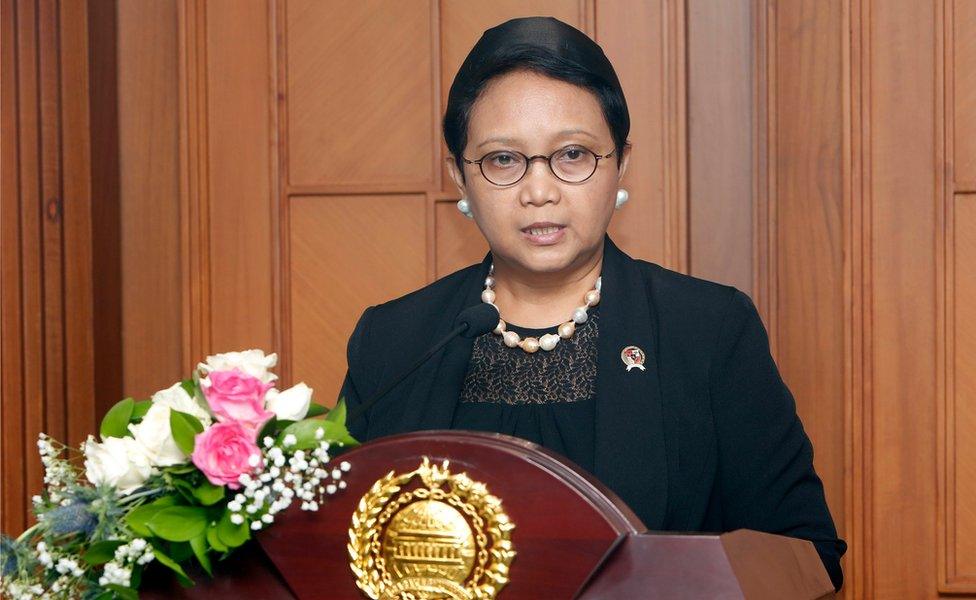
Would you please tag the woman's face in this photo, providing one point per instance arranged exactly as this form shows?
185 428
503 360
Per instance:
534 114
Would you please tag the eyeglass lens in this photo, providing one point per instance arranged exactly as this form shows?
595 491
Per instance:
572 164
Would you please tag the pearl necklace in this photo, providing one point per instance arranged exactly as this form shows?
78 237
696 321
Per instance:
548 341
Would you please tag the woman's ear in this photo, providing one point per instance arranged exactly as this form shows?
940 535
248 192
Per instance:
456 175
624 161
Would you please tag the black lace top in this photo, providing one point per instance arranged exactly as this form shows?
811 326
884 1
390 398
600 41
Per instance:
544 397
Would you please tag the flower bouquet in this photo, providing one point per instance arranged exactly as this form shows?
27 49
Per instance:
187 475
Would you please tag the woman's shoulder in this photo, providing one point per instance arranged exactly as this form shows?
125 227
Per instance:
678 295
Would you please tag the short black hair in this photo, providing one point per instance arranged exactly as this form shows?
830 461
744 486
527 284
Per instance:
545 62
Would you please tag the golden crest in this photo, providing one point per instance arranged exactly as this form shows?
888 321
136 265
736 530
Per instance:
429 534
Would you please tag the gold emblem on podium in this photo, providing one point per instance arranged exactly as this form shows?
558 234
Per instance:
430 534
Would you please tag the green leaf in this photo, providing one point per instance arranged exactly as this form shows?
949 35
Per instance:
136 578
122 592
196 391
189 386
165 560
139 517
304 432
214 540
337 414
232 535
100 553
139 410
199 546
208 493
180 469
180 551
178 523
268 428
185 428
184 488
315 410
116 420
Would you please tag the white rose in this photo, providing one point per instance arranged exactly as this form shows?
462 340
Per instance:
156 436
251 362
291 404
177 398
119 462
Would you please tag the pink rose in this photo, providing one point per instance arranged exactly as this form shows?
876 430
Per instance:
224 451
236 396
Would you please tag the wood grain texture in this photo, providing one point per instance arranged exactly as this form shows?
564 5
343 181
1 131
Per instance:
194 183
365 76
720 141
32 332
858 450
79 232
635 37
347 253
903 138
239 140
13 501
960 514
47 340
957 452
808 230
964 93
149 207
101 317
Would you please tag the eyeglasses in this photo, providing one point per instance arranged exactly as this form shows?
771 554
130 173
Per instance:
572 164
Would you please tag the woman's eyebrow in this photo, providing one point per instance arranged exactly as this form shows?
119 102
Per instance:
563 133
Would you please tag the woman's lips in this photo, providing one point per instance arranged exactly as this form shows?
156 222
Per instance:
544 235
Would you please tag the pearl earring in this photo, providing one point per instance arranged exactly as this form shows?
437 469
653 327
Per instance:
622 197
465 208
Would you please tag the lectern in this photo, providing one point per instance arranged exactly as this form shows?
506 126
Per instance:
455 514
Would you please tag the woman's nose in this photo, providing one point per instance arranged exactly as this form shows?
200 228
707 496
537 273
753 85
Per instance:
539 185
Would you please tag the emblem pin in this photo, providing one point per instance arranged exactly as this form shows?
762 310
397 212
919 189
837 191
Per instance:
633 357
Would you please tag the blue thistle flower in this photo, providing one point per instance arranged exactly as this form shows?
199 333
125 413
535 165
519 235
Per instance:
8 556
73 518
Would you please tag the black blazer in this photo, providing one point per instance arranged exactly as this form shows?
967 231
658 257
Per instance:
706 439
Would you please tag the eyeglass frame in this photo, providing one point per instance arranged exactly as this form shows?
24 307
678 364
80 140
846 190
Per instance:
529 159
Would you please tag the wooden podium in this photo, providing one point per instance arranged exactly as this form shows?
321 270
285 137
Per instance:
571 537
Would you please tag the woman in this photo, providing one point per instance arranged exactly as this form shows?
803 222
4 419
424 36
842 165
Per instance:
660 384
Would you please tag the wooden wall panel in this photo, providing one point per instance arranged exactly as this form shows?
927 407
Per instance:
239 140
46 336
347 252
957 449
964 92
152 331
961 459
641 40
904 178
720 141
806 154
29 404
459 243
359 93
13 499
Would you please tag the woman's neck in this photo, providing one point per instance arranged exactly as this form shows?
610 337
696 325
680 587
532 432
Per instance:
538 300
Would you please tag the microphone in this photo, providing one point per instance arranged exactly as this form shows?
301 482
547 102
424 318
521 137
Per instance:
480 319
470 323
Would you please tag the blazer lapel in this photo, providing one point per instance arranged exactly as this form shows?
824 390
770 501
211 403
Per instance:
630 452
434 396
